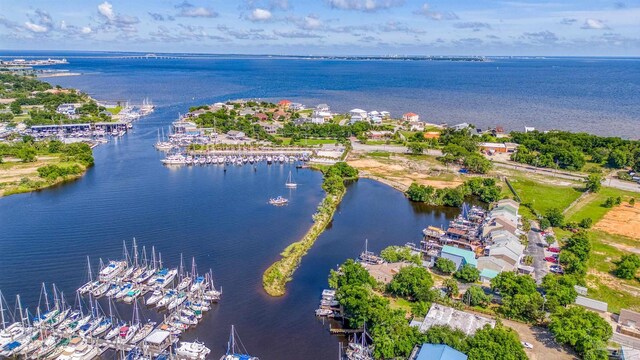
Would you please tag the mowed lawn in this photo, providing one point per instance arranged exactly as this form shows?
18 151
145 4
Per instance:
544 196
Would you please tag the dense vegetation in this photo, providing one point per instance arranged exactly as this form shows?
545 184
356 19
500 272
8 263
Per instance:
583 330
566 150
400 253
329 130
222 122
485 189
26 150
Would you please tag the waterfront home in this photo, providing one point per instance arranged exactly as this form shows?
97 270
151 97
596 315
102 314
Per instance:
326 115
492 148
67 109
456 319
323 107
378 135
486 275
436 352
385 114
235 135
384 272
280 115
509 251
529 129
459 256
410 117
376 120
493 264
358 112
185 127
461 126
270 128
296 106
245 112
317 120
356 118
284 104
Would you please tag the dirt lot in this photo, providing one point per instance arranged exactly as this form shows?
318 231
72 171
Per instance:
400 172
544 347
622 220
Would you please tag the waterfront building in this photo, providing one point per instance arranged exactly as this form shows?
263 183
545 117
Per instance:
456 319
323 107
459 256
284 104
437 352
411 117
358 112
236 135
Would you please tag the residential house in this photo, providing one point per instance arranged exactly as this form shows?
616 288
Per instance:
317 120
385 114
509 251
456 319
376 120
629 323
270 128
355 118
67 109
185 127
379 135
384 272
296 106
358 112
279 115
493 264
486 275
492 148
284 104
437 352
461 126
261 116
411 117
459 256
246 111
323 107
326 115
235 135
529 129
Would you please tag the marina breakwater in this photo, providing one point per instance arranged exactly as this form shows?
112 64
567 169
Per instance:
276 277
279 273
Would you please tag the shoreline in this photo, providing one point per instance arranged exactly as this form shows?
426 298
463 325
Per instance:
42 185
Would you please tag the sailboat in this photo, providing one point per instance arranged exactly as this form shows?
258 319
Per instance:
290 184
163 145
235 351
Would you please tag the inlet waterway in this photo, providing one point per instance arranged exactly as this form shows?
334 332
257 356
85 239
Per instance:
219 217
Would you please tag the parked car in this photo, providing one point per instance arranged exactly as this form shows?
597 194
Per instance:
551 259
557 269
554 249
526 344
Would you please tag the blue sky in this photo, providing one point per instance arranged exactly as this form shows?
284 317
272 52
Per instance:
326 27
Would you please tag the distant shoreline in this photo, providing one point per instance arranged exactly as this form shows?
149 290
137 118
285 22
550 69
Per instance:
57 74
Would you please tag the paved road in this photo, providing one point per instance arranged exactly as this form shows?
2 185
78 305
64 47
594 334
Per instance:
535 249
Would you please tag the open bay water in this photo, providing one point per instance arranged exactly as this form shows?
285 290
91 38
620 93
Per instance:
223 220
596 95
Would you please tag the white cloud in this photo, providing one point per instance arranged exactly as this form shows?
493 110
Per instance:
86 30
425 10
63 25
35 27
594 24
189 10
364 5
312 22
260 15
106 9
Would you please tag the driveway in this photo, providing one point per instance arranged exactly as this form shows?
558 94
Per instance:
536 249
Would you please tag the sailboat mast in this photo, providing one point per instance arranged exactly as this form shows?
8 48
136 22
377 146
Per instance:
56 301
89 269
144 256
135 253
46 296
160 259
2 320
181 270
153 257
193 267
20 308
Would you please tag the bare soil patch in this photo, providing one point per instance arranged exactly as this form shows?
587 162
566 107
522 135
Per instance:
544 347
622 220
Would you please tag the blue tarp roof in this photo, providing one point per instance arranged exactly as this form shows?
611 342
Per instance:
439 352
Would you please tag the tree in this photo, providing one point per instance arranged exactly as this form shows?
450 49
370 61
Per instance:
632 201
350 273
509 284
27 154
452 197
496 343
559 290
412 281
400 253
444 334
593 183
15 107
467 273
617 159
477 163
544 224
416 148
579 245
627 266
586 223
555 217
523 306
333 185
475 296
451 287
445 265
581 329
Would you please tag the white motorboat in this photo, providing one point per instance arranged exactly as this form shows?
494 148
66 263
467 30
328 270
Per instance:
192 351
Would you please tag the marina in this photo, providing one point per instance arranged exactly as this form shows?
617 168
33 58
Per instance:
86 330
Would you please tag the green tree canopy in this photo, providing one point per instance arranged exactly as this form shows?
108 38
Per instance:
414 282
475 296
585 331
467 273
445 265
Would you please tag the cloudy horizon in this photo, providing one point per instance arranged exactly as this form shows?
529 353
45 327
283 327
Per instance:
327 27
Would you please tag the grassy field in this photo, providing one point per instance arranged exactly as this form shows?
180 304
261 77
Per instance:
591 205
17 177
544 196
310 142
